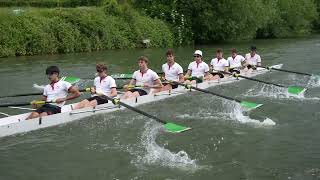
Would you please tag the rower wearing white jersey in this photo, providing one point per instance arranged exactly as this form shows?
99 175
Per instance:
219 64
104 86
143 82
253 59
235 61
197 70
55 93
172 71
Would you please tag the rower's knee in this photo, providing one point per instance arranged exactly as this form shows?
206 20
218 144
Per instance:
43 114
33 115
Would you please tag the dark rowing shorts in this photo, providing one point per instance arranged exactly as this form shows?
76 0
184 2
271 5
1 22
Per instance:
232 70
140 91
49 109
173 85
100 99
216 73
251 67
198 80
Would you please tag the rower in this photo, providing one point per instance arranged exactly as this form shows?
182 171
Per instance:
55 93
145 78
252 60
172 72
235 61
198 70
219 64
104 86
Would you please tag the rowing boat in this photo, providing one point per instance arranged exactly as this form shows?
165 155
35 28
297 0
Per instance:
17 124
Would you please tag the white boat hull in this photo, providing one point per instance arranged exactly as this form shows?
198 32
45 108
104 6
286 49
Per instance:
17 124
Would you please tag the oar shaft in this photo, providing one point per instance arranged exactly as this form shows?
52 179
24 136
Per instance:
289 71
138 111
252 79
209 92
15 104
19 95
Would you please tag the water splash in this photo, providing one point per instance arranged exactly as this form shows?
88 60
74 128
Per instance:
159 155
314 81
271 92
231 111
236 112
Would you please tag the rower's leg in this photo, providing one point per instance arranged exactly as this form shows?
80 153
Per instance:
166 88
81 104
126 95
92 103
33 115
43 114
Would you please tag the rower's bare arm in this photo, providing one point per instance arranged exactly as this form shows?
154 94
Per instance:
93 90
188 73
158 83
132 83
74 94
181 78
113 92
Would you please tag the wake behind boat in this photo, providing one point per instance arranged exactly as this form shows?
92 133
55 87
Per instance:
17 124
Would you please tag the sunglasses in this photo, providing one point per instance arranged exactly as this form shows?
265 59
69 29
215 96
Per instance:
99 70
196 56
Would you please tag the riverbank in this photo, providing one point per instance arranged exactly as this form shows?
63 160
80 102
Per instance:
31 31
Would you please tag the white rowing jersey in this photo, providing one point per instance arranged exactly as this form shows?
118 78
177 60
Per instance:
253 60
235 62
104 85
219 65
56 90
172 73
198 70
145 78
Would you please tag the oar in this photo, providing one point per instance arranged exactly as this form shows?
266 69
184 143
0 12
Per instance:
39 93
285 70
291 89
246 104
170 127
23 104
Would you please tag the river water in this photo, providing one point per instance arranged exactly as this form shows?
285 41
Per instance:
225 142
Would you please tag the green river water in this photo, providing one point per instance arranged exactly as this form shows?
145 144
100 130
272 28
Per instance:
225 142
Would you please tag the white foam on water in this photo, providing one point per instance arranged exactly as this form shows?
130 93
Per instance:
155 154
236 112
273 92
314 81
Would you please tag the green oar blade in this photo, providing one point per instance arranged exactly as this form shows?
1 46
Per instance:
175 128
120 76
250 105
296 90
71 80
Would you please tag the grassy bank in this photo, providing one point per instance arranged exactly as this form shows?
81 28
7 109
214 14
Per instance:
33 31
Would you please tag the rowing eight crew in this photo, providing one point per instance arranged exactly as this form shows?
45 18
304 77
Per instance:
144 81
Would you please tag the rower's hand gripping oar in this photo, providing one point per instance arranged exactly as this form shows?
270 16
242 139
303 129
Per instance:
246 104
170 127
295 90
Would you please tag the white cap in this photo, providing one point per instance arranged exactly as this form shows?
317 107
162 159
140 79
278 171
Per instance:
198 52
